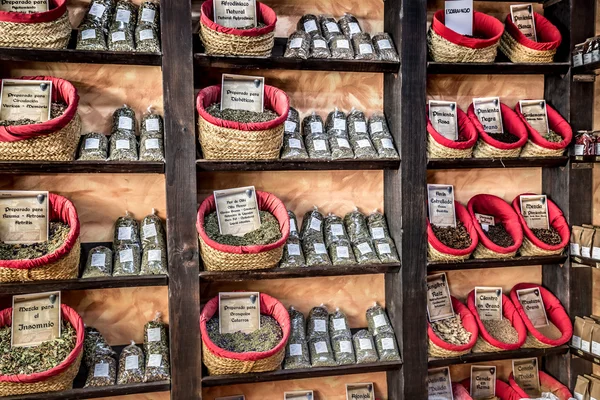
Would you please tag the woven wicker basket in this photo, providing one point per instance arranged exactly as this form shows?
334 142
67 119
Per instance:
440 349
257 42
439 146
537 145
547 385
48 30
520 49
437 251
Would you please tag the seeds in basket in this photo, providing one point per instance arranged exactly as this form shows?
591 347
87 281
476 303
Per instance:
298 45
99 263
548 236
340 47
456 238
292 254
498 234
267 233
131 365
451 330
229 114
363 48
364 347
263 339
102 373
318 47
56 110
93 147
57 235
501 330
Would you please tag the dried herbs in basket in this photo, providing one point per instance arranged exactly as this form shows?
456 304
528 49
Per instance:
127 231
56 110
298 45
364 347
93 147
127 260
123 147
549 236
363 49
267 233
91 37
384 46
57 235
319 48
99 263
292 254
263 339
229 114
340 47
131 365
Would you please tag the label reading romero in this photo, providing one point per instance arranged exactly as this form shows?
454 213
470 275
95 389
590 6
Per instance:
235 13
533 305
439 384
23 217
441 205
237 210
488 301
360 391
526 374
239 92
536 114
25 99
534 209
24 6
35 318
483 382
489 114
239 312
439 303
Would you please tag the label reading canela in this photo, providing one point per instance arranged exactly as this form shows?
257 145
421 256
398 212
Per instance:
439 303
522 17
533 305
237 210
526 374
23 217
239 312
439 384
536 114
488 301
25 99
534 209
441 205
299 395
239 92
483 382
24 6
459 16
235 13
35 318
360 391
489 114
442 115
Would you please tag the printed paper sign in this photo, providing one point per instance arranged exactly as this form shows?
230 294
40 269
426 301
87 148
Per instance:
360 391
24 6
485 221
488 301
442 115
483 382
439 384
441 205
239 92
239 312
35 318
23 217
522 17
534 209
459 16
533 305
439 303
489 114
25 99
237 210
299 395
536 114
525 372
238 397
235 13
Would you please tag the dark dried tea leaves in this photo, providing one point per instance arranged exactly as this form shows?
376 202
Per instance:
498 234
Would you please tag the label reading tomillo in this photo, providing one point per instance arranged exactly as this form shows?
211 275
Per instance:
536 114
442 115
441 205
489 114
533 305
439 384
534 209
488 301
526 374
439 302
522 17
483 382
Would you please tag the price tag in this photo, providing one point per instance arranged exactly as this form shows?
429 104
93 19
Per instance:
365 344
384 44
483 381
332 27
360 391
439 303
239 312
320 325
441 205
299 395
149 230
126 255
125 122
488 301
152 124
235 13
533 305
346 346
36 318
154 334
489 114
442 115
534 209
384 248
123 15
315 224
439 384
337 229
485 221
365 48
24 217
354 28
376 127
240 92
339 324
25 99
343 44
387 143
388 343
536 114
321 347
237 210
377 233
459 16
362 143
360 126
339 124
522 17
97 10
526 374
364 248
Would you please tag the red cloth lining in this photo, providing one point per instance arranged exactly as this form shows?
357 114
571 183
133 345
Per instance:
461 215
264 14
503 390
56 10
556 122
483 25
275 99
548 35
268 306
468 321
556 220
546 382
466 130
67 313
511 124
460 392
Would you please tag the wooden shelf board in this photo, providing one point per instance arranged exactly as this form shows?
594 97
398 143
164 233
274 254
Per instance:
474 263
82 167
286 374
585 355
95 392
586 68
590 262
503 355
498 67
460 163
585 159
292 165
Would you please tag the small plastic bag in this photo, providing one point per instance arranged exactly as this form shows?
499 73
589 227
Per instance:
121 40
349 25
336 123
127 231
341 47
315 252
378 228
292 123
363 48
297 323
298 45
125 16
341 253
309 23
131 365
154 260
386 250
157 365
317 147
296 354
312 125
357 123
365 252
127 260
293 147
123 147
149 14
378 321
317 325
152 231
329 27
147 39
152 147
362 146
356 225
103 372
293 224
94 345
91 37
378 127
343 350
93 147
384 46
319 48
387 348
338 325
123 120
333 227
292 254
385 148
155 334
312 224
340 148
321 353
99 14
364 347
99 263
152 123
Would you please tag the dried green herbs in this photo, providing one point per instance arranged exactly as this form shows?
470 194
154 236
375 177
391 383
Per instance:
152 123
378 127
329 27
154 260
378 321
333 227
341 253
335 123
152 231
349 25
263 339
99 263
292 122
386 250
451 330
267 233
338 325
340 148
362 146
296 354
312 224
357 123
298 324
363 49
293 147
317 324
156 347
93 147
100 14
356 226
312 125
387 348
147 39
152 147
340 47
131 365
57 234
318 47
123 121
321 353
123 147
317 147
309 23
377 224
385 148
121 40
364 347
91 37
102 373
94 345
56 110
293 224
553 137
229 114
127 231
298 45
384 46
315 252
343 350
292 254
365 252
127 260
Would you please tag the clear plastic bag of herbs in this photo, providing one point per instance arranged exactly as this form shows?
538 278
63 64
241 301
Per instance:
100 14
312 124
293 224
321 353
298 45
157 365
154 260
103 372
309 23
131 365
123 120
152 123
363 148
340 253
338 325
152 147
127 260
91 37
363 47
333 227
329 27
293 147
297 323
384 46
127 231
147 39
149 14
364 347
386 250
94 345
93 147
317 147
349 25
387 348
124 17
335 124
155 333
292 254
356 225
341 47
357 123
99 263
121 40
318 47
364 251
312 224
385 148
296 354
292 122
343 350
315 252
123 147
340 148
378 228
152 231
317 324
378 321
378 127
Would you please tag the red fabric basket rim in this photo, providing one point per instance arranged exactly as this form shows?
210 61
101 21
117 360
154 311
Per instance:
501 387
479 18
60 8
208 205
211 308
75 320
556 122
63 210
265 14
507 112
468 131
546 380
461 310
462 215
543 28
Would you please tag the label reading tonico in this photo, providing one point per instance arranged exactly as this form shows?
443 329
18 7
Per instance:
439 384
536 114
360 391
522 17
25 99
459 16
533 305
534 209
35 318
239 312
442 115
24 6
525 372
299 395
485 221
439 303
483 382
240 92
237 210
235 13
489 114
441 205
488 301
23 217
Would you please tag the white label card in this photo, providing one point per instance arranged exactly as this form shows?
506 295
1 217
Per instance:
154 360
339 124
24 217
533 305
293 249
346 346
118 36
97 9
488 111
131 362
321 347
36 318
339 324
294 143
384 248
154 334
240 92
320 325
152 144
122 144
488 301
364 248
126 255
459 16
384 44
299 395
315 224
310 26
319 145
148 15
319 44
125 122
522 17
536 114
98 260
123 15
124 233
152 125
149 230
239 312
534 209
483 382
365 344
343 143
342 252
439 303
443 117
101 370
295 349
146 34
320 248
235 13
343 44
25 99
92 144
290 126
296 43
439 384
237 210
88 34
365 48
441 205
337 229
154 255
316 127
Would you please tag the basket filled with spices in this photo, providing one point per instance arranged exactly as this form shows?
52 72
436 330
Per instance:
56 258
447 45
253 40
501 235
48 367
550 140
537 45
454 336
441 145
549 328
52 140
241 353
447 243
548 385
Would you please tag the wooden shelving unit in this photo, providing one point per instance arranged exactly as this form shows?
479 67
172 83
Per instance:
503 355
467 163
82 167
295 165
585 355
81 393
498 67
475 263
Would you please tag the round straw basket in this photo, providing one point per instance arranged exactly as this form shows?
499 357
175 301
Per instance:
547 384
439 146
437 251
440 349
537 145
520 49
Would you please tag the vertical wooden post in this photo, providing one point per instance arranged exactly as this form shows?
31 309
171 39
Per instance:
180 176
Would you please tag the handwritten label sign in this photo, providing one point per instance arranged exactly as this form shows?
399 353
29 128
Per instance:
439 384
239 312
441 205
237 210
439 303
489 114
238 397
522 17
526 374
360 391
35 318
488 301
459 16
299 395
536 114
235 13
534 209
25 99
442 115
23 217
483 382
533 305
240 92
24 6
485 221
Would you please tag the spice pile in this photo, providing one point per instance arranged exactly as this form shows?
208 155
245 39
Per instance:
498 234
501 330
263 339
56 110
548 236
504 137
451 330
456 238
553 137
57 234
267 233
229 114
